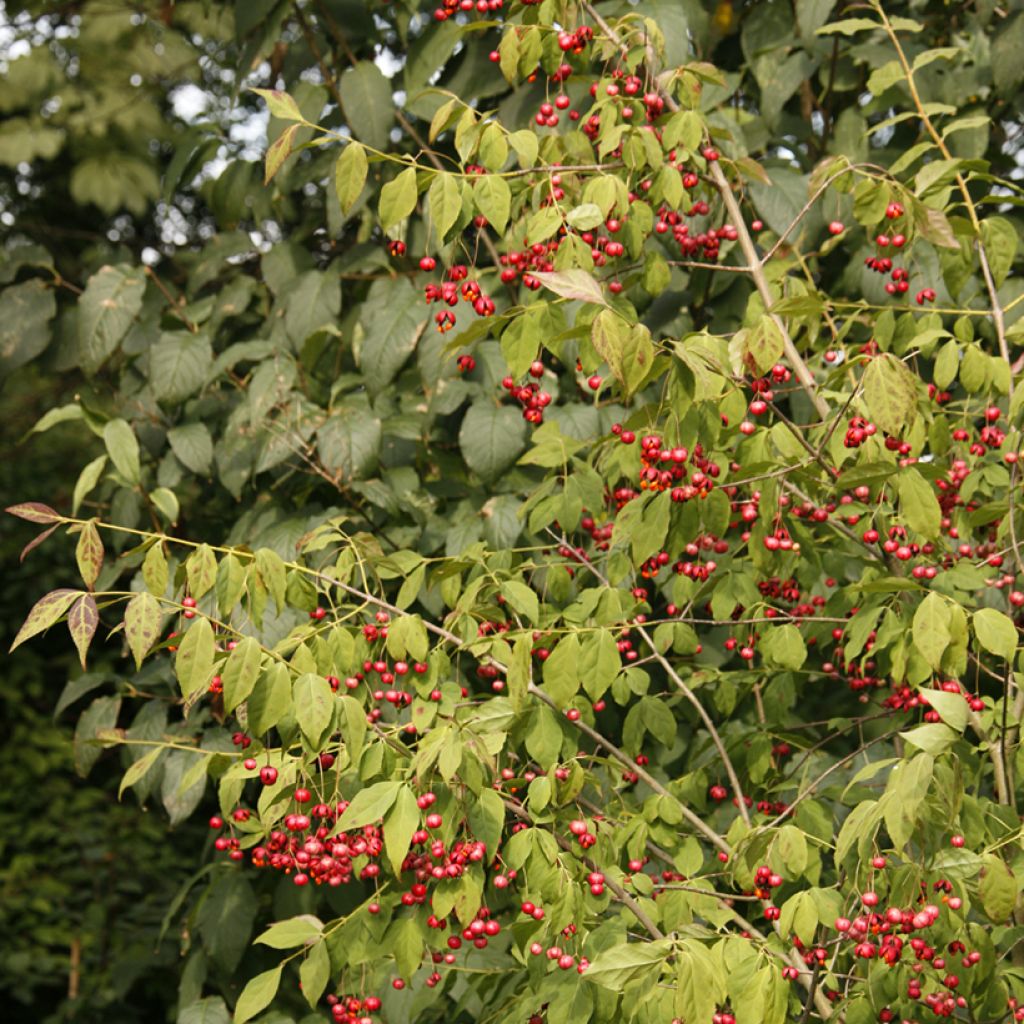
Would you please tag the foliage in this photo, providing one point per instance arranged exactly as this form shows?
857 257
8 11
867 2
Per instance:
629 630
85 881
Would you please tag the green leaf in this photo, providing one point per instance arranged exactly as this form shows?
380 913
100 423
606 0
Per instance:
192 447
142 621
193 665
405 941
399 824
933 737
491 438
783 647
952 707
930 629
542 224
280 104
444 198
686 129
179 364
211 1010
615 967
792 849
240 672
87 480
1000 239
626 349
762 346
561 671
585 217
493 199
26 310
296 931
369 805
45 612
800 916
314 302
890 391
270 700
848 26
349 442
523 600
274 574
353 726
919 507
947 363
123 449
314 707
398 198
257 994
997 888
905 793
600 663
394 320
106 310
995 632
165 501
277 152
138 770
368 102
99 717
350 175
315 973
201 570
573 284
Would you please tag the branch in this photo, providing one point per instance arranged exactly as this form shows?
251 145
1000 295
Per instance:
720 181
986 271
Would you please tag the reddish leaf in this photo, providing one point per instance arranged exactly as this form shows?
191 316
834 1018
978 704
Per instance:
34 512
45 612
36 541
89 554
83 619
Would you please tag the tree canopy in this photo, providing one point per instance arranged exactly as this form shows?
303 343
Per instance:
545 477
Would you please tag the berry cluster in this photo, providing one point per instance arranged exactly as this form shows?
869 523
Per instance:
449 293
449 8
353 1009
530 396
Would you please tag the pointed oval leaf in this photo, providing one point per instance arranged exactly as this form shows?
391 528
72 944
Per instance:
193 665
398 198
89 553
83 618
350 175
996 632
45 612
240 672
34 512
400 823
142 621
257 994
295 931
314 706
369 805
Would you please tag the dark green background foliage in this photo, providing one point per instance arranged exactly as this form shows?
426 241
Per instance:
242 363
